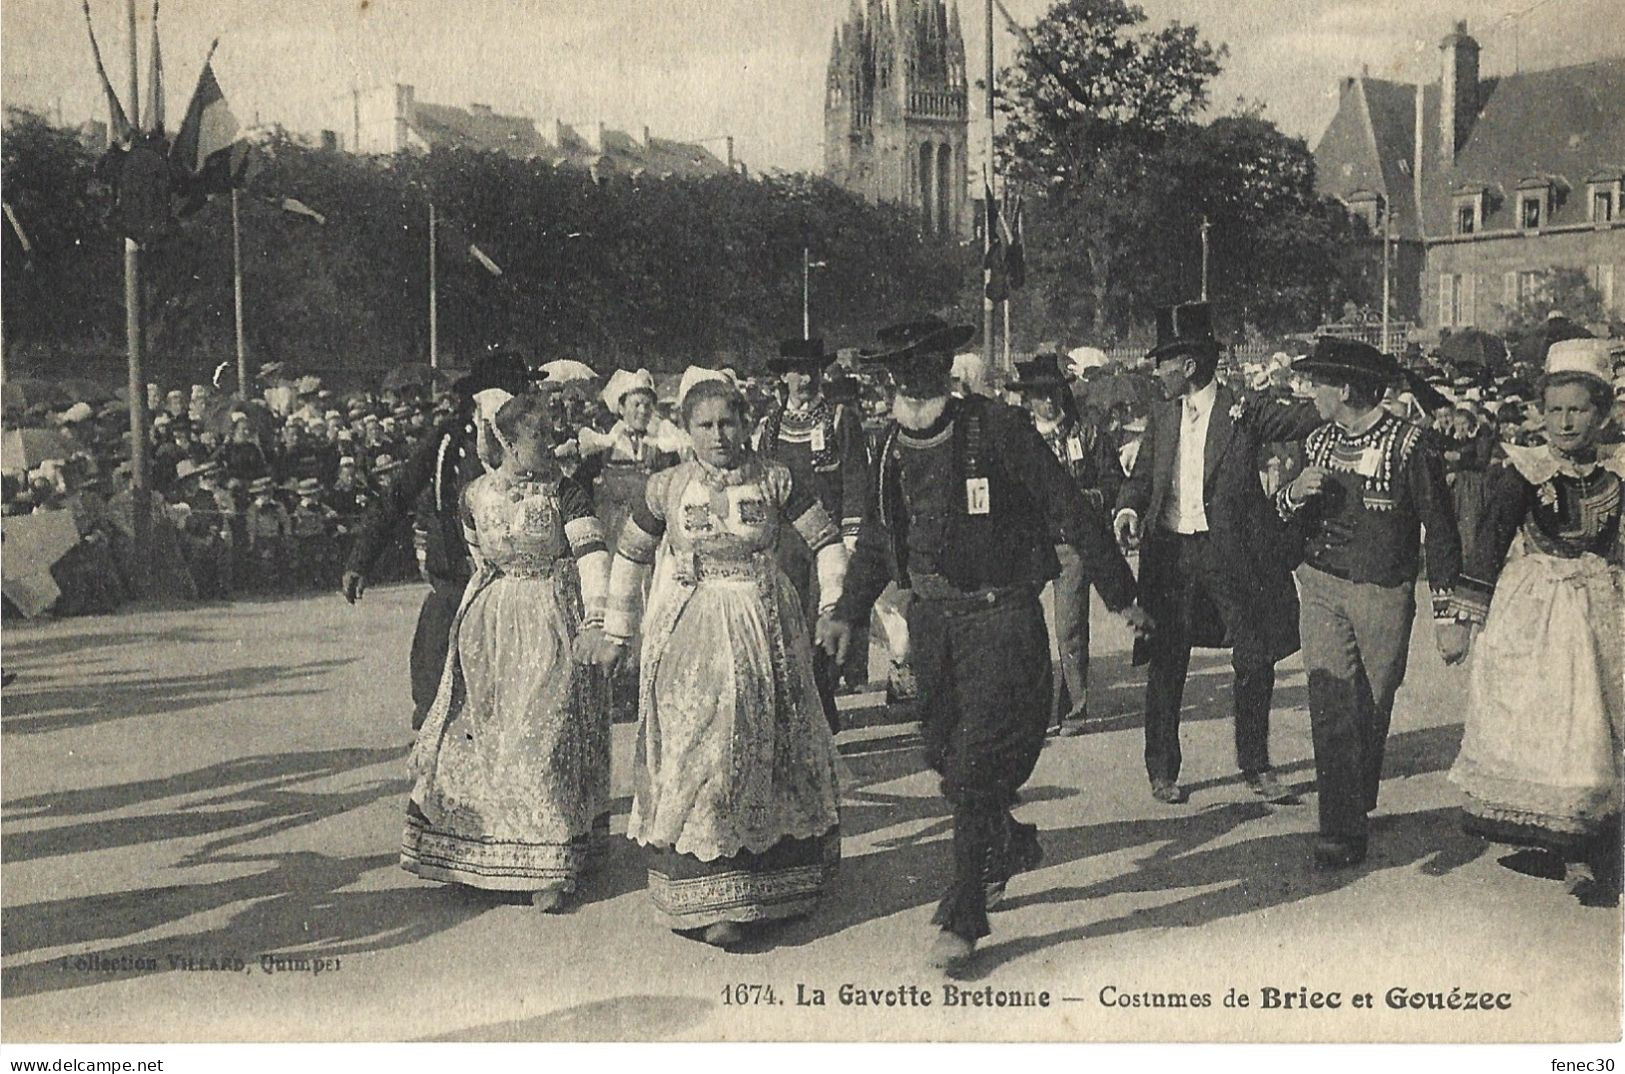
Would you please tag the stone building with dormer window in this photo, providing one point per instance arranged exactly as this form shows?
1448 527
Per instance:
1491 181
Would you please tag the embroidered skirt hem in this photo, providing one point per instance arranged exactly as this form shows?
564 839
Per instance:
784 881
496 864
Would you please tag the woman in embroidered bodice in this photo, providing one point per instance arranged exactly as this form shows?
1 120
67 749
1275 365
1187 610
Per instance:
1540 755
734 776
511 767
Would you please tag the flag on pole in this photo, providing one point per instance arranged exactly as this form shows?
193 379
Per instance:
207 144
998 284
17 229
299 208
155 80
451 236
116 119
1015 254
485 262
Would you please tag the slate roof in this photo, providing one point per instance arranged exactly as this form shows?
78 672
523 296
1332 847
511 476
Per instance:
1567 123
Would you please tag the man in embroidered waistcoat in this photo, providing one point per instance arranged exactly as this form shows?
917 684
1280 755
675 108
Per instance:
968 504
1215 560
429 488
823 445
1371 482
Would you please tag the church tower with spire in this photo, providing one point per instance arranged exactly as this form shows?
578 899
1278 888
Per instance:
896 109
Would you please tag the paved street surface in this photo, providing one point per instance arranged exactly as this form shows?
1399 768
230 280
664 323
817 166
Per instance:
224 784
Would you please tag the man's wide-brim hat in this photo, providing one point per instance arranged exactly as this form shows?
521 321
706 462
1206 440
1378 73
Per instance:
1043 373
800 356
505 369
1182 330
929 337
1347 359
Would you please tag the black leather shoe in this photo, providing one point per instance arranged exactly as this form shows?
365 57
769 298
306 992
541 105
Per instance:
1264 784
1167 791
1338 853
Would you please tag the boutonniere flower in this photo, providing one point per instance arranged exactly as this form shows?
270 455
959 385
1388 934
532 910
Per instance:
1547 493
1236 412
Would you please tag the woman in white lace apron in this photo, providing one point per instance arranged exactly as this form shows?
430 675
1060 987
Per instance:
511 767
734 776
1540 757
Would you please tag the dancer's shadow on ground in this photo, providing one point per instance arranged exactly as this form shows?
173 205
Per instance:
36 709
295 906
911 871
1230 880
253 797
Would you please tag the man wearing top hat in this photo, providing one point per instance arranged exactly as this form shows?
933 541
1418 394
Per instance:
428 486
1092 464
1215 559
967 502
823 445
1370 487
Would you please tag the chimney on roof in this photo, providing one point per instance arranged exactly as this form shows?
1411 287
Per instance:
1458 91
646 136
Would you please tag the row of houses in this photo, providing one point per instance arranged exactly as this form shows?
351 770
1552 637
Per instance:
391 119
1484 184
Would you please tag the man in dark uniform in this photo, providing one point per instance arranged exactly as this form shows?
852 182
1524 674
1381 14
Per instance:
967 500
1215 558
823 445
441 466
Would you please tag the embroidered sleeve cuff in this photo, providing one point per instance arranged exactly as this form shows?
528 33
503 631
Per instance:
851 526
1285 505
1470 600
1443 606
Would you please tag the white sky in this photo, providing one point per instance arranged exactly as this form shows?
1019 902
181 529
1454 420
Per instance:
695 69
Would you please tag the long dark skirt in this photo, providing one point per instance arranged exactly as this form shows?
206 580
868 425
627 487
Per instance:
783 881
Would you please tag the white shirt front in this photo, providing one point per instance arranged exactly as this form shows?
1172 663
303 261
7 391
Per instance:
1185 512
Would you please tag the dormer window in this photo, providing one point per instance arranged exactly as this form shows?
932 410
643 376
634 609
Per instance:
1367 205
1603 196
1534 203
1529 212
1468 203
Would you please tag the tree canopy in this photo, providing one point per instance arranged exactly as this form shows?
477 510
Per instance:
619 270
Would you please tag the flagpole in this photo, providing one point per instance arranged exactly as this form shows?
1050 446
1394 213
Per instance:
806 295
237 293
140 501
987 186
1007 334
434 313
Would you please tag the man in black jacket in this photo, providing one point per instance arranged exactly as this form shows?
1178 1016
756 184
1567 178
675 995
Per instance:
1215 558
969 503
430 487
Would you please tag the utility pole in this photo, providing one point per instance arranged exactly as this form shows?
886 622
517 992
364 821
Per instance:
237 293
434 310
987 209
806 294
140 493
1205 226
1387 240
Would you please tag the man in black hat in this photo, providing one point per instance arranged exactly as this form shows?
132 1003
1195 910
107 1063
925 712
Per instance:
430 487
1086 456
823 445
1371 482
967 498
1215 560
